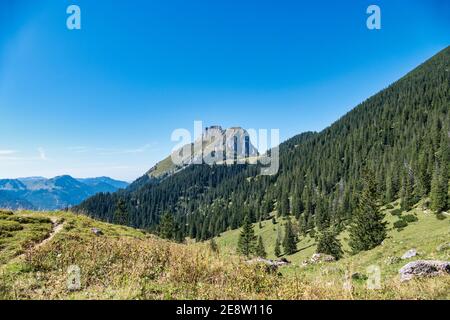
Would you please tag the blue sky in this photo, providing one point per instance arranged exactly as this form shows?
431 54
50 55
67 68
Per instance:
105 99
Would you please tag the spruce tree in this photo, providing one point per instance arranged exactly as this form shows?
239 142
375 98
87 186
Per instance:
439 183
297 205
329 244
303 224
121 213
260 249
167 226
368 229
407 194
277 250
284 207
247 238
289 243
439 191
424 178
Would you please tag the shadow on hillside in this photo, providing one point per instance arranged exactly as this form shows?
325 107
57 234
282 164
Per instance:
304 248
440 216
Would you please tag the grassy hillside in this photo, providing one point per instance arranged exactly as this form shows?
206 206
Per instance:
430 236
431 228
38 250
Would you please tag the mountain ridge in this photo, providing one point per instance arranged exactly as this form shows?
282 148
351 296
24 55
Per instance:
59 192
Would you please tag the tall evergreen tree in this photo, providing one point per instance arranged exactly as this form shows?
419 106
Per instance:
303 224
284 207
407 194
167 226
329 244
297 205
321 216
277 250
260 249
247 238
368 229
121 213
439 183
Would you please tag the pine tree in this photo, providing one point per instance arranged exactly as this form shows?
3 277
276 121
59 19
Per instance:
121 213
424 178
277 250
167 226
439 183
321 216
368 229
303 224
247 238
289 244
284 208
329 244
407 194
260 249
312 233
439 191
297 205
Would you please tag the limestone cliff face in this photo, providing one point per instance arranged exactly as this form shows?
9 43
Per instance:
217 144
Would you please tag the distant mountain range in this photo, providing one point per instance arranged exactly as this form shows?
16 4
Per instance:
39 193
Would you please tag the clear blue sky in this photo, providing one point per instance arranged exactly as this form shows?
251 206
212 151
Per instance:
105 99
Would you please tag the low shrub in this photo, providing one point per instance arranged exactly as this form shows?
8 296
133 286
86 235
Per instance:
409 218
6 225
5 234
6 212
400 224
29 220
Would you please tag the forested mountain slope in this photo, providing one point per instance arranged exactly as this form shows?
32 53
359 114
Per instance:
400 134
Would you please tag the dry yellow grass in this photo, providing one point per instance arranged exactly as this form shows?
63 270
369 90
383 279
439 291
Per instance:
128 264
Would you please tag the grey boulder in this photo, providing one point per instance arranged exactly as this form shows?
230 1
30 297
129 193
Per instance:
97 232
409 254
320 257
424 268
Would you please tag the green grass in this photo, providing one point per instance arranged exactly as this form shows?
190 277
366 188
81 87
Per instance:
18 232
425 235
162 168
125 263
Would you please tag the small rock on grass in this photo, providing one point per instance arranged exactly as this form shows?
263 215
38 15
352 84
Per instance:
410 254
